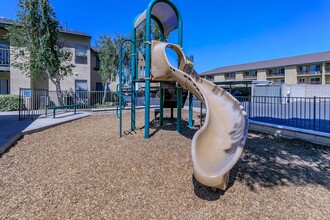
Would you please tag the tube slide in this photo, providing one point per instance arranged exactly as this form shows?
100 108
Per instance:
217 146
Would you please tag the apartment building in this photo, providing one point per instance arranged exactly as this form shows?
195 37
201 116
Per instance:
304 69
85 75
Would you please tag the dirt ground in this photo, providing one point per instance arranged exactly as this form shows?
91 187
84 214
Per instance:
83 170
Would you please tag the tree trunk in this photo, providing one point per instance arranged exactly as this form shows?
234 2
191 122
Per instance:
59 92
57 83
105 92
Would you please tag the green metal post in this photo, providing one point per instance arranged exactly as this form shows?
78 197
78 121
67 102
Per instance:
148 59
191 123
161 107
179 102
121 85
147 72
133 77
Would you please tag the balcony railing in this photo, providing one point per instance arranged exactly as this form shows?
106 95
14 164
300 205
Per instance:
230 77
249 76
275 74
4 57
310 73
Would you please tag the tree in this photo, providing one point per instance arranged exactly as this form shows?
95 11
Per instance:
37 48
109 58
140 35
109 54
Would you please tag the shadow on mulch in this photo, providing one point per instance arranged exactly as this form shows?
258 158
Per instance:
274 161
169 124
267 161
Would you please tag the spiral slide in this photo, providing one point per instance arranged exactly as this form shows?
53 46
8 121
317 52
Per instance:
217 146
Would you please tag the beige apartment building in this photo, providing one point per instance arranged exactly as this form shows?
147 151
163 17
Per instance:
304 69
85 61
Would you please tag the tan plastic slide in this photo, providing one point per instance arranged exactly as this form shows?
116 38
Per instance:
217 146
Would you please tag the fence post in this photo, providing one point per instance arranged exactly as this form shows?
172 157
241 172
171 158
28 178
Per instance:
249 114
19 104
46 101
314 114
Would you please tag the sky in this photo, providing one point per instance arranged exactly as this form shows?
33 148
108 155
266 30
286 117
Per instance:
216 32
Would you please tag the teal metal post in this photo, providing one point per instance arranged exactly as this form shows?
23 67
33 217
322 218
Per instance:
161 107
120 99
133 77
147 73
179 106
121 106
191 123
148 58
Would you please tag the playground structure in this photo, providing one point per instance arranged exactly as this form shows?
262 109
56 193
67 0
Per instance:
217 146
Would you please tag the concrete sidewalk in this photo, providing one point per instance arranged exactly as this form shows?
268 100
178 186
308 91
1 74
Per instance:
11 129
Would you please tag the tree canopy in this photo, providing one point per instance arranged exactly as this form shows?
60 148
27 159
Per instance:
37 49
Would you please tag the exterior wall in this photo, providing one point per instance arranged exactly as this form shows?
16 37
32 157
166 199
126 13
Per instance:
239 76
18 80
219 77
323 80
41 83
262 74
290 75
304 90
79 71
327 80
95 77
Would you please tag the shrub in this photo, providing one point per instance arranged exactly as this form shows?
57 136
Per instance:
9 102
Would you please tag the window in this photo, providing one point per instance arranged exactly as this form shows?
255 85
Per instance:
99 86
210 77
4 53
303 69
97 62
301 80
316 80
314 69
3 86
230 76
251 74
276 72
281 71
81 85
279 81
327 68
81 54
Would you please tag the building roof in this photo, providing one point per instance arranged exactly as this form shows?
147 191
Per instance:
5 22
281 62
95 49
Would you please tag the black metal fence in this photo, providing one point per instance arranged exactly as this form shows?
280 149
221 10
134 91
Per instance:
32 103
306 113
98 99
35 102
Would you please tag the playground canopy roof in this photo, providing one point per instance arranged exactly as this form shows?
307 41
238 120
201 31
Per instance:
166 15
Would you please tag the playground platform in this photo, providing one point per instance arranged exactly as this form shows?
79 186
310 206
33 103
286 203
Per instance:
11 129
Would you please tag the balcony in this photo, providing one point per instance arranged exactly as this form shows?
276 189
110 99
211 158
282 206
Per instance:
275 75
308 73
4 59
230 76
249 77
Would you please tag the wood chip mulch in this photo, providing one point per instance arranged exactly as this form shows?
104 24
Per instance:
83 170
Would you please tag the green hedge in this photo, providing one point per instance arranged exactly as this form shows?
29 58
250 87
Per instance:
9 103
